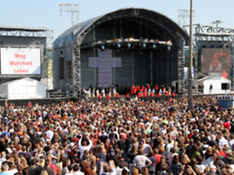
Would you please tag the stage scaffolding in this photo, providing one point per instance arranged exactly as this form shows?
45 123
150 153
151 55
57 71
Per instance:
211 34
43 38
179 41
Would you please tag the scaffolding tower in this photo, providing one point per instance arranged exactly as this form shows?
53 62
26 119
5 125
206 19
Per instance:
71 86
184 16
211 33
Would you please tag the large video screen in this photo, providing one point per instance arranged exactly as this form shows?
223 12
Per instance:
215 60
21 61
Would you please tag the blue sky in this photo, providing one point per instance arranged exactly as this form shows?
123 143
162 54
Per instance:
45 13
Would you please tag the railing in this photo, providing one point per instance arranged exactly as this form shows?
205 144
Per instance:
57 94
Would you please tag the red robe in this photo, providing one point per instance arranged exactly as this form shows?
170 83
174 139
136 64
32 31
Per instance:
127 95
158 95
100 96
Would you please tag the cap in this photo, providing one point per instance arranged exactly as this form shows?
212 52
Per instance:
125 169
72 144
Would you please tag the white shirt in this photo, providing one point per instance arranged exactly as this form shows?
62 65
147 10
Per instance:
140 161
50 134
201 167
12 172
69 173
222 142
2 160
230 143
78 173
169 146
146 148
83 148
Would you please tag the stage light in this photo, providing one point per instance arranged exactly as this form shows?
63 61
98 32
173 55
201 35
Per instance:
144 45
118 40
128 45
102 47
131 39
169 42
168 48
154 46
118 45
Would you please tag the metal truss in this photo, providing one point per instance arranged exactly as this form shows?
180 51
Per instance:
23 33
73 9
49 39
74 87
47 70
183 16
181 64
211 33
76 68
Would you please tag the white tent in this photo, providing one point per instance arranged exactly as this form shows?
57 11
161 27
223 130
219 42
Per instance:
25 88
216 83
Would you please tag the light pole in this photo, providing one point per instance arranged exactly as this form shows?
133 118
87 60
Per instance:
190 81
217 22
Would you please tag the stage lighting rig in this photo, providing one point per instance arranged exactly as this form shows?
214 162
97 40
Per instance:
118 45
129 45
102 47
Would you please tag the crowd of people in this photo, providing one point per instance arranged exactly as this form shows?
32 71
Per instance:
118 137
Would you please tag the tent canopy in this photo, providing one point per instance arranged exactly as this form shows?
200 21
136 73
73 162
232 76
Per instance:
25 88
213 85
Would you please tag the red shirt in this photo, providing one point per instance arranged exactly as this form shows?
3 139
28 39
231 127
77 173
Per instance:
100 96
151 94
54 167
158 158
221 153
108 97
124 136
173 94
127 95
156 87
139 94
158 95
133 90
227 125
117 95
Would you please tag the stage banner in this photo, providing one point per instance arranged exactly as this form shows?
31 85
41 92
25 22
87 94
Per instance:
20 61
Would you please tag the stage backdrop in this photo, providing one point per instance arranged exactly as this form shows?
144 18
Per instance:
123 67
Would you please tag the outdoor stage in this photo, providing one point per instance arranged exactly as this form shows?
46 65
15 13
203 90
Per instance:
61 99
